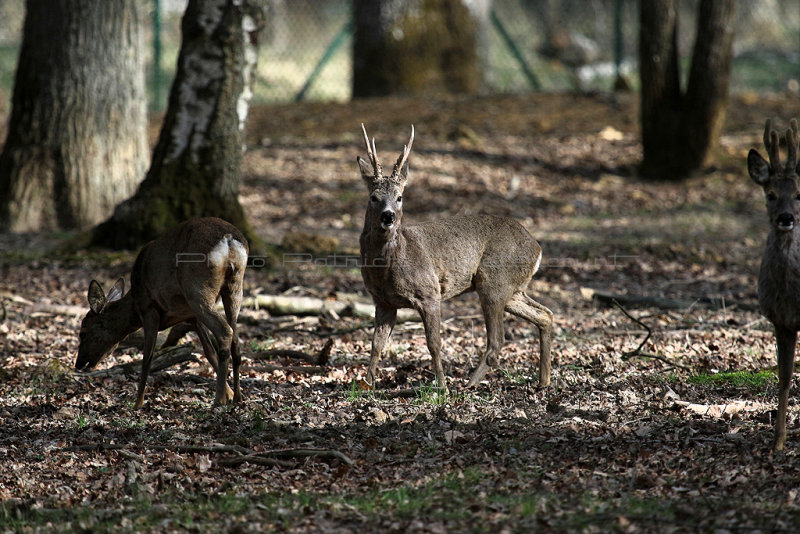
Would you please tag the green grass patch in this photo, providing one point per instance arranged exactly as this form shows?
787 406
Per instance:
755 380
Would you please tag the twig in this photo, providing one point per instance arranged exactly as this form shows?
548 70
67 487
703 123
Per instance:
649 330
637 352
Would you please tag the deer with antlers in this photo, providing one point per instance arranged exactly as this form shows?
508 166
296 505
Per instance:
779 276
420 265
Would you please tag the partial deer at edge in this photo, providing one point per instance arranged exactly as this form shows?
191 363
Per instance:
779 276
419 265
176 278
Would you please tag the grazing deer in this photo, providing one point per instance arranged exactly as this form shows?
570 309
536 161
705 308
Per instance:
779 276
420 265
176 278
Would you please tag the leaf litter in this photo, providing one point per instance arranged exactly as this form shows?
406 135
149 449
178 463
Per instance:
617 443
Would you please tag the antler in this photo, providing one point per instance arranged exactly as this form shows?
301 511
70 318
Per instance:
792 140
404 156
772 145
372 154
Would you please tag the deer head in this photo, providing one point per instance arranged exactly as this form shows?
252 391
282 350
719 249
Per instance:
385 192
99 334
780 182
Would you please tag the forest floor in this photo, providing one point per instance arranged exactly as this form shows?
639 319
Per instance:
669 436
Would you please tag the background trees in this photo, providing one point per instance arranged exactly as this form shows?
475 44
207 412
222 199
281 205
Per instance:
76 143
196 163
680 127
417 47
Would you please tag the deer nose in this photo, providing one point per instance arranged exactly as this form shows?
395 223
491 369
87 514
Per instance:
785 221
387 217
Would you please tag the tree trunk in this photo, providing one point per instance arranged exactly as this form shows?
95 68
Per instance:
419 47
196 167
679 129
77 138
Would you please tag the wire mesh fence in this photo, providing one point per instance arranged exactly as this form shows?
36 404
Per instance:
530 45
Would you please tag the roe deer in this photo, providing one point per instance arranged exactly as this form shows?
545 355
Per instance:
176 278
420 265
779 276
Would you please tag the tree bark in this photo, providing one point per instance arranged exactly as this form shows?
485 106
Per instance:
196 167
419 47
77 138
679 129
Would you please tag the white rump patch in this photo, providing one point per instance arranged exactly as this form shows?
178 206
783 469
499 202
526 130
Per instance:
219 254
538 263
239 260
229 251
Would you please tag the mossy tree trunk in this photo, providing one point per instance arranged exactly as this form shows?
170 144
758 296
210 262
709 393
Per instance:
77 137
680 128
418 47
196 167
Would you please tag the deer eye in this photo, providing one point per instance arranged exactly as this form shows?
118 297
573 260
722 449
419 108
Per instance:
797 197
373 198
772 196
400 198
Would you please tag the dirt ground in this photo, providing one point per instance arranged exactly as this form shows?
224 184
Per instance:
671 435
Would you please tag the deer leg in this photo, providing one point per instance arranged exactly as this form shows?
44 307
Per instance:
787 340
224 335
495 332
385 318
150 322
232 302
526 308
432 321
210 353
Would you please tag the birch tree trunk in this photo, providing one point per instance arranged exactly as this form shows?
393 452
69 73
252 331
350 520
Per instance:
196 167
77 138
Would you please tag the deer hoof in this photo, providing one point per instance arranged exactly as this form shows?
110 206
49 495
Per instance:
478 375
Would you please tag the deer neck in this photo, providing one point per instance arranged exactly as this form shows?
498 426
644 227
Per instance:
378 243
125 319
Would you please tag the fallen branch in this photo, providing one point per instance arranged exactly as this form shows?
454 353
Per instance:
162 359
321 358
301 369
242 454
663 303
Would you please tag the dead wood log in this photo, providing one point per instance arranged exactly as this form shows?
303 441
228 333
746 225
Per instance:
285 305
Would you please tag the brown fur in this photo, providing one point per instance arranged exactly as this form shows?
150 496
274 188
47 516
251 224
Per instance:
419 265
173 281
779 276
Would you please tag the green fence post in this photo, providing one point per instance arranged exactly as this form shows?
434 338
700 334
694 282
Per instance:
345 32
515 51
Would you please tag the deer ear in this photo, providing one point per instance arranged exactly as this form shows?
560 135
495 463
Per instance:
403 173
96 297
367 172
757 167
116 292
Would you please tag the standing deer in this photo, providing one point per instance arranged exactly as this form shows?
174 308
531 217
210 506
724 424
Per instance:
779 276
420 265
176 278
